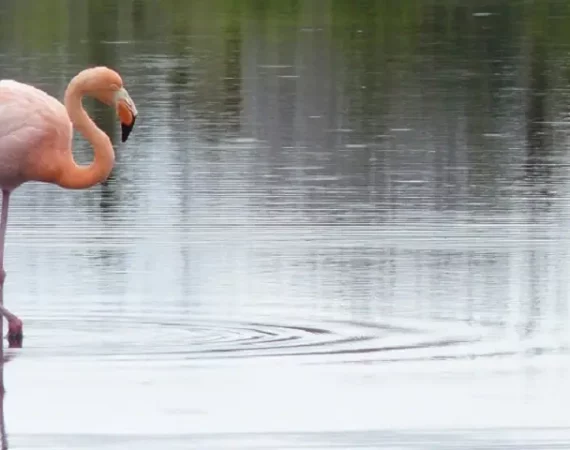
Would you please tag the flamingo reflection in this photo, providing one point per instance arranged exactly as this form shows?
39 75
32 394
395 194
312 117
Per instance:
4 359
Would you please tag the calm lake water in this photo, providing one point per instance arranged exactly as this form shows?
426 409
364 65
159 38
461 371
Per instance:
337 224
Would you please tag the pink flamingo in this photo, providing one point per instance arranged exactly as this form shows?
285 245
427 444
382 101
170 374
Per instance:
35 143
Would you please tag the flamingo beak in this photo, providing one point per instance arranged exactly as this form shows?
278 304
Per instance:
126 111
126 129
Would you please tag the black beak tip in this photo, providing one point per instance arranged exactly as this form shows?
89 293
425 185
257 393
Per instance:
126 130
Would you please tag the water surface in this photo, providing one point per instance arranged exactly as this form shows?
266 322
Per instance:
335 225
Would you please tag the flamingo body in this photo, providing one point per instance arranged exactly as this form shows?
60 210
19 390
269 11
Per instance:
35 132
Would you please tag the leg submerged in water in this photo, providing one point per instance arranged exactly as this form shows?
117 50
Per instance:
15 326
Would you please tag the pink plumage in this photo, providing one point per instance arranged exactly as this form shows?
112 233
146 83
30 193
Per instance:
33 124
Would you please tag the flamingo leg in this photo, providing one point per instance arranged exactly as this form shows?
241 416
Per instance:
14 323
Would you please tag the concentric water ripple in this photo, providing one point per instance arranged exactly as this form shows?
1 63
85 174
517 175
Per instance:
202 337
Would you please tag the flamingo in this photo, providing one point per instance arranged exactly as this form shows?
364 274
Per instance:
35 144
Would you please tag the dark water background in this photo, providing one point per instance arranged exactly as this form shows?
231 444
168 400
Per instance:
338 224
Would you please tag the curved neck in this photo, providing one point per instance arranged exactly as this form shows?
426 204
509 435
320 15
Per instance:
74 176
